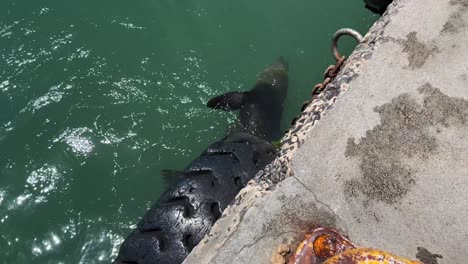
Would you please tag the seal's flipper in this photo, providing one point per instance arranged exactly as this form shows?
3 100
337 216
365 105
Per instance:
228 101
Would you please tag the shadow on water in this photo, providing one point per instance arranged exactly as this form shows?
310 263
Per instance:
96 97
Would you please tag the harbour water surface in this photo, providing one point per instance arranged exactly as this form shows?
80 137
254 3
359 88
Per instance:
96 97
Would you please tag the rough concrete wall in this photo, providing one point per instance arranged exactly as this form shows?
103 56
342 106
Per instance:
402 179
387 164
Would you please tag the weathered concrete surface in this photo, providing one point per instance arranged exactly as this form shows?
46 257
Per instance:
387 165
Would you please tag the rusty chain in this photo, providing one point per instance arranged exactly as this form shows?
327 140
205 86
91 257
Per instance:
332 71
329 75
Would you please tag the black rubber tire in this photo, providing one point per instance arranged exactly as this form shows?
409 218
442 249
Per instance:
184 214
377 6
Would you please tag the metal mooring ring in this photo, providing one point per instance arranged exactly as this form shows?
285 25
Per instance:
344 31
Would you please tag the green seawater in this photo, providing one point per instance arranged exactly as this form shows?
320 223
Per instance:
98 96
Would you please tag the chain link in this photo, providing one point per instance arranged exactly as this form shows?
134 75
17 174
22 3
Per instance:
332 71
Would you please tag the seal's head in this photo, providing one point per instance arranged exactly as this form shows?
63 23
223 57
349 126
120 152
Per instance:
260 108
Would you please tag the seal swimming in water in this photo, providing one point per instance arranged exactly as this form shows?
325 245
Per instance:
261 107
184 214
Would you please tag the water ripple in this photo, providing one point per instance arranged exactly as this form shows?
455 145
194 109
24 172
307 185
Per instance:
129 90
39 185
76 139
46 99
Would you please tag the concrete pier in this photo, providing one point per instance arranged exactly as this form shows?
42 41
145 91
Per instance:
387 164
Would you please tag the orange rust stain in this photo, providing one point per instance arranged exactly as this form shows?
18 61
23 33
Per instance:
302 254
323 246
328 246
368 256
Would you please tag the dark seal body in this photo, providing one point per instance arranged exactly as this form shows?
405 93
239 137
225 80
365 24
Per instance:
261 108
184 214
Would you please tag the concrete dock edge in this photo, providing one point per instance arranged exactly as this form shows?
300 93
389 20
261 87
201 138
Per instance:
381 155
